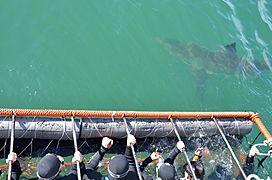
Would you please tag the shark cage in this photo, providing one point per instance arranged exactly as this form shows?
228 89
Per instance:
33 133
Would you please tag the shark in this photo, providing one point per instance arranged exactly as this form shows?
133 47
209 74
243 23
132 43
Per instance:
205 62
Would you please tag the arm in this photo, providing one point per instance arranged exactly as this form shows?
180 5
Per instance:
98 156
16 170
74 169
15 166
198 154
128 152
77 158
173 154
153 157
145 163
129 156
249 165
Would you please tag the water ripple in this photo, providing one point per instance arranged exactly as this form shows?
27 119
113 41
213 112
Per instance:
264 13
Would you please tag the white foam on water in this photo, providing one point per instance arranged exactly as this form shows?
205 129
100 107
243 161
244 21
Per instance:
264 13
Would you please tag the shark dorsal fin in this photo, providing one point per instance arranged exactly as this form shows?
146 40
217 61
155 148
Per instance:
231 48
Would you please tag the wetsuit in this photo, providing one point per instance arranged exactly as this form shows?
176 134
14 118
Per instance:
171 158
248 167
88 170
15 170
132 174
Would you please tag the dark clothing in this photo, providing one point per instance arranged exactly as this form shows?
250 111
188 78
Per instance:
88 170
132 166
223 173
248 167
171 158
15 170
132 175
145 163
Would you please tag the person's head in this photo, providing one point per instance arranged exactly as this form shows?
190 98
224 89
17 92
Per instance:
165 171
198 169
49 166
221 172
118 167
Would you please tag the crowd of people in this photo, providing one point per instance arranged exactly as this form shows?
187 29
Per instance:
123 166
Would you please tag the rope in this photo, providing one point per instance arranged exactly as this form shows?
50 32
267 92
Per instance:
4 147
251 144
133 152
230 149
11 145
75 145
133 114
185 154
26 147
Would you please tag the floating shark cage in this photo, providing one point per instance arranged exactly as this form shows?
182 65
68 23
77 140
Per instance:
20 128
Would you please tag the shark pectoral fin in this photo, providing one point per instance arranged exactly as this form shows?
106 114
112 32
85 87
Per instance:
231 48
201 77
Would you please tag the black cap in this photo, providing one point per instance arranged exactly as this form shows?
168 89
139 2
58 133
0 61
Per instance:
198 167
48 166
118 167
166 172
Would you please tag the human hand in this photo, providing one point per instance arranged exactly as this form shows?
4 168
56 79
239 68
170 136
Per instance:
77 157
270 142
12 157
155 155
107 142
180 145
253 151
131 140
199 151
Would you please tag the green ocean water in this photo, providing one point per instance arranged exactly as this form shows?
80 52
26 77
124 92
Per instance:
107 55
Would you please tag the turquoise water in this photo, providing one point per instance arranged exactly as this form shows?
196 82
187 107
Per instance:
108 55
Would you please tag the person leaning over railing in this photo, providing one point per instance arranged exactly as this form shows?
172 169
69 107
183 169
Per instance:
197 166
123 167
50 165
248 167
166 170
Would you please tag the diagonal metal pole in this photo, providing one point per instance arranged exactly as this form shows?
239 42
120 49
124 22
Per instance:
133 152
230 149
75 146
185 153
11 145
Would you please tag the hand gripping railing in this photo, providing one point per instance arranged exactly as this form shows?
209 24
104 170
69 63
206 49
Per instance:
265 143
133 152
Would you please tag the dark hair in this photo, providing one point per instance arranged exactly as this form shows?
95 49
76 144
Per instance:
198 167
166 172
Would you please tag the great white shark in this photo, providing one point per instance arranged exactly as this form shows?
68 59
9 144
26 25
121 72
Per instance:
205 62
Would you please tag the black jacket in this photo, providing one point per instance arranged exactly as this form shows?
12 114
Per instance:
88 170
